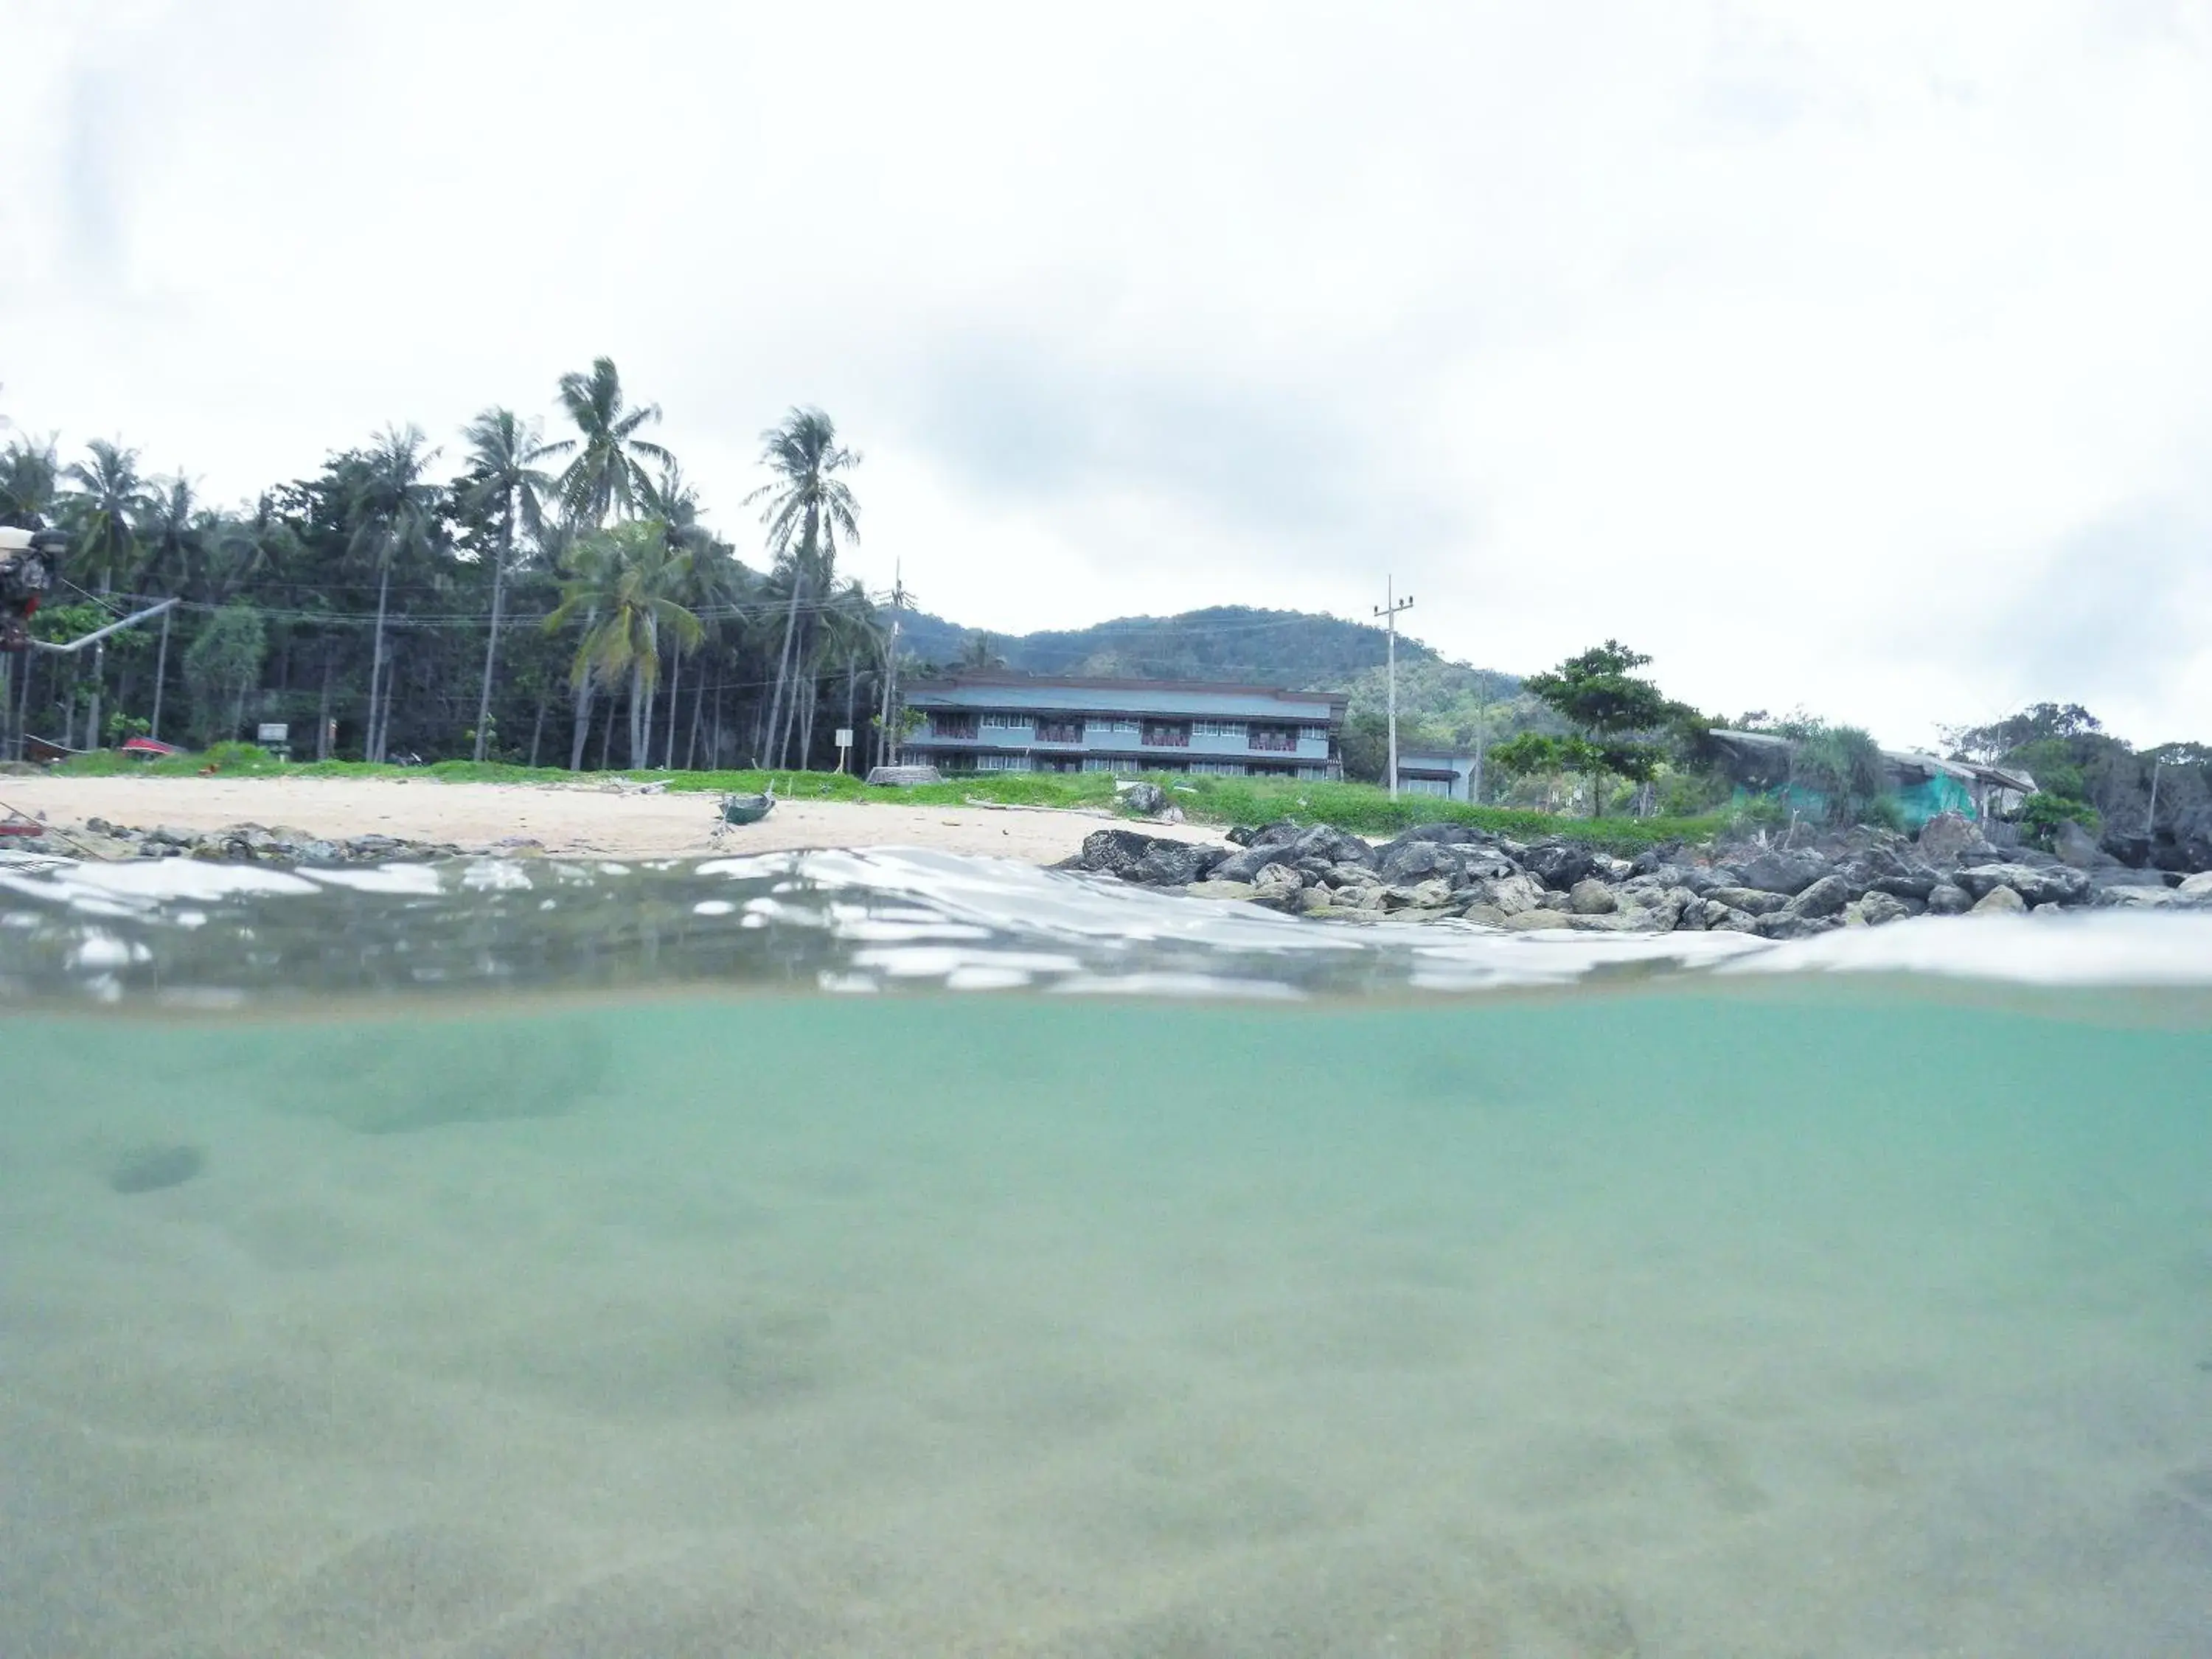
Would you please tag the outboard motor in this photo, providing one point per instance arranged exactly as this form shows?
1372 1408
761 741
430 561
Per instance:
29 560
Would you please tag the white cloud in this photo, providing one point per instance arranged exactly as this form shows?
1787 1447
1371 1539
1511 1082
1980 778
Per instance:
1808 351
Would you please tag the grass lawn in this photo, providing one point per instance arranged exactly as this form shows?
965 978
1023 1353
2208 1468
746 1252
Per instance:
1362 807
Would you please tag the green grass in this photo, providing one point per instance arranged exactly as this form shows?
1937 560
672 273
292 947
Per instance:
1361 807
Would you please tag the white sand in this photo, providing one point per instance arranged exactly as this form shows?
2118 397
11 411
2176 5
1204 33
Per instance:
581 819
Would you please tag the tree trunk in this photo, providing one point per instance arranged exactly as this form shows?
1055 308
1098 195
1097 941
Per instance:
374 742
674 684
640 718
160 675
323 710
537 728
491 642
607 728
691 740
806 721
852 699
783 662
582 732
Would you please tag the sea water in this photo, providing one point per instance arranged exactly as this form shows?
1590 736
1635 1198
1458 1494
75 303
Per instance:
816 1255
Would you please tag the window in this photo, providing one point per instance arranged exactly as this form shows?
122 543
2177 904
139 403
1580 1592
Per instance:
1059 731
1313 734
958 726
1438 786
1167 734
1002 763
1002 721
1218 768
1121 765
1217 728
1281 739
1112 728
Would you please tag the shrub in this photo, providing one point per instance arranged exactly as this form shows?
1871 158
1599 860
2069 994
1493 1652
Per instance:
2042 813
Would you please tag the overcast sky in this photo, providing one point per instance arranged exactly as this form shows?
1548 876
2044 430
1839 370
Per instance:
1849 355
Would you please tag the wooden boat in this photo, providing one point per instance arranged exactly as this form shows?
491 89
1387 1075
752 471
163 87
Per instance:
748 809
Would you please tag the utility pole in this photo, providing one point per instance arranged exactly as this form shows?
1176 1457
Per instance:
890 665
1389 609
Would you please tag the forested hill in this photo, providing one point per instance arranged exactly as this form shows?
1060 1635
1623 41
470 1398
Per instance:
1223 642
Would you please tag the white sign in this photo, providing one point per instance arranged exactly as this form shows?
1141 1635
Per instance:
844 737
267 732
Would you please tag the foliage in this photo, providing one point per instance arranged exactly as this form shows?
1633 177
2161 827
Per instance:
2038 723
2042 813
1843 764
1612 714
223 661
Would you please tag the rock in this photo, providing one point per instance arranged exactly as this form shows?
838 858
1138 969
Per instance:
1150 858
1879 908
1337 846
1219 889
1825 897
1950 839
1785 924
1592 897
1314 900
1999 901
1528 922
1558 864
1484 916
2078 848
1414 861
1512 894
2060 885
1277 884
1146 799
1726 919
1431 895
1755 900
2197 887
1785 873
1948 899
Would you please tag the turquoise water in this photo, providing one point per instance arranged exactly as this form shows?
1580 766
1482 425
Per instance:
1706 1315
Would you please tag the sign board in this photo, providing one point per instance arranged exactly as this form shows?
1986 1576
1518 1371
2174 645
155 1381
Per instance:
844 737
268 732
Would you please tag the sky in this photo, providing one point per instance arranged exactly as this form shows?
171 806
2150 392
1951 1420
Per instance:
1851 356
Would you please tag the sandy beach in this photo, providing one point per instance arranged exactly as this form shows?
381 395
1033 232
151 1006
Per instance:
582 818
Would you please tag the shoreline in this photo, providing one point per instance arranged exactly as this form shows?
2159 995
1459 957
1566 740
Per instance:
614 820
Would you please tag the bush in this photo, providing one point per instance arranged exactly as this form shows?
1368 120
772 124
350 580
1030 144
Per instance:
2042 813
236 757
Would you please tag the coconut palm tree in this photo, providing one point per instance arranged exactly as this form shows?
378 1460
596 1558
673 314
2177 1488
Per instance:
608 470
807 504
393 511
29 475
502 478
627 586
171 535
102 509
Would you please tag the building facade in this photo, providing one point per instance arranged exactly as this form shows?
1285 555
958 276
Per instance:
1446 773
1014 723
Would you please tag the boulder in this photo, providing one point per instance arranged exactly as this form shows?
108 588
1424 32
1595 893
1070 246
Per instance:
1785 873
1280 833
1315 900
1414 861
1529 921
2078 848
1325 841
1484 916
1726 919
1999 901
2061 884
1279 885
1949 839
1592 897
1878 909
1784 924
1433 894
1755 901
1219 889
1558 864
1146 799
1948 899
1511 893
1152 860
1825 897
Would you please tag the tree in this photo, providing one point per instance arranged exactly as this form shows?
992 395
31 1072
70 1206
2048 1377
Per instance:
394 511
626 587
977 656
102 511
609 468
503 479
1610 710
2038 723
29 473
807 504
224 664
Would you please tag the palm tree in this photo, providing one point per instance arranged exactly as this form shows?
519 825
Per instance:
807 504
110 496
393 512
29 473
710 579
977 656
502 476
609 468
173 536
626 585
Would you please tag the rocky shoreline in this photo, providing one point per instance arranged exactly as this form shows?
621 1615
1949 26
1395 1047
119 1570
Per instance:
238 843
1455 872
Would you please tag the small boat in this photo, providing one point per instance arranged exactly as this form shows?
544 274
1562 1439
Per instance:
748 809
